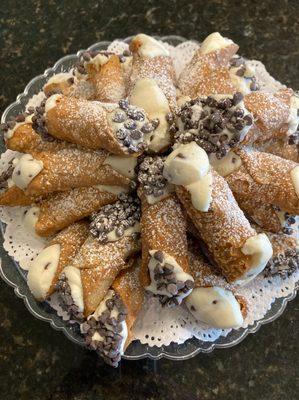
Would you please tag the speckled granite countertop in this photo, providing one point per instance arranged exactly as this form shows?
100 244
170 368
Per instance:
39 363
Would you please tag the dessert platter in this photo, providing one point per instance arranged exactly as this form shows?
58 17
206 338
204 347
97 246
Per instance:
149 196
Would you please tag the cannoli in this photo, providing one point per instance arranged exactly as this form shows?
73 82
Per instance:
216 123
118 129
267 216
62 209
114 237
46 267
280 148
107 77
285 259
208 71
108 330
213 300
165 269
59 83
10 194
276 115
242 75
47 172
152 87
27 132
239 251
262 176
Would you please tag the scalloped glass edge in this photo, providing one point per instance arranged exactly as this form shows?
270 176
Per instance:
15 277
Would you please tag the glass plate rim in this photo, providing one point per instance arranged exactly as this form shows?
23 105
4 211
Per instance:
20 286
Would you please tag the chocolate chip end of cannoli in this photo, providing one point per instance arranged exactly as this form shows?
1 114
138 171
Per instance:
39 121
115 219
215 125
283 264
106 332
150 176
66 301
169 288
131 126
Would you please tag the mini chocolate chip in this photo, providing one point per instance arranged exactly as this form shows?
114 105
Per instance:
47 265
172 288
248 119
123 104
155 122
119 117
159 256
136 134
192 308
86 56
20 118
127 53
189 284
214 301
237 98
70 81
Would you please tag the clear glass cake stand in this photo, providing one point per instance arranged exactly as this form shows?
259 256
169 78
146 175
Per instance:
14 276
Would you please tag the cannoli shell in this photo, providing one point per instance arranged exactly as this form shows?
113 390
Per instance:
208 74
71 168
266 178
108 81
26 140
224 228
70 241
100 264
127 285
82 122
63 209
14 196
163 227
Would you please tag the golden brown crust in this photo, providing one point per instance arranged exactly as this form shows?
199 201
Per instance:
163 227
82 122
266 178
262 214
208 74
70 241
15 196
127 285
25 140
108 80
158 68
70 168
100 264
224 228
270 111
280 148
63 209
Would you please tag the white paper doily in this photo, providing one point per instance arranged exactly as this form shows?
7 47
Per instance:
156 325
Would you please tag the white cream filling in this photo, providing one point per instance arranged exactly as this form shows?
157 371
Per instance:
215 306
147 95
59 78
214 42
123 165
98 61
114 313
293 119
31 218
227 164
26 169
180 275
260 249
150 47
42 271
201 192
51 102
10 183
112 237
9 134
73 276
113 189
151 199
295 179
188 165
